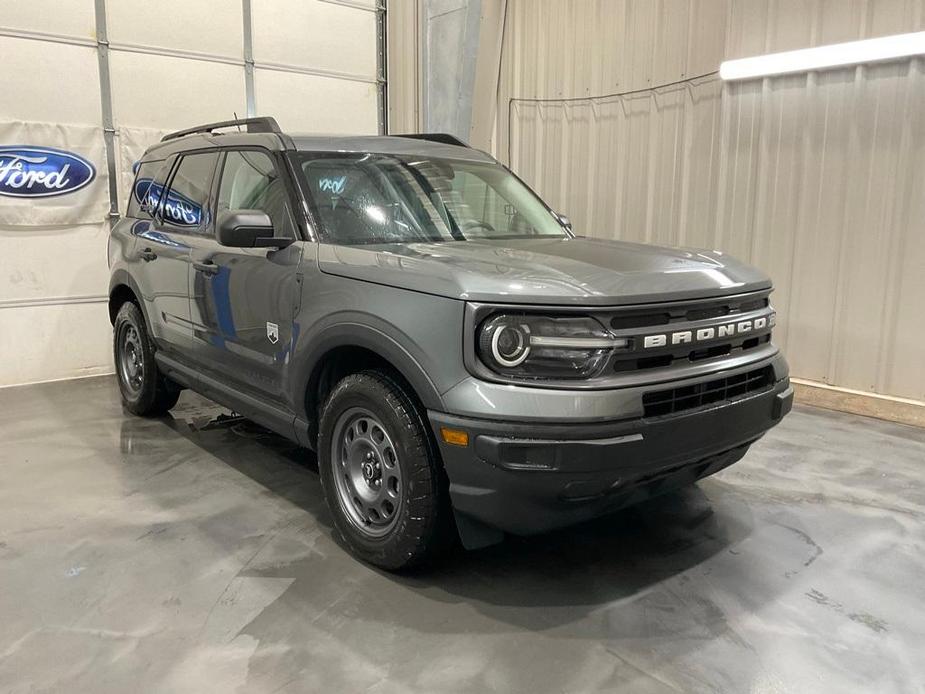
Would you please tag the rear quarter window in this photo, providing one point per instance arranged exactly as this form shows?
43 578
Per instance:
147 189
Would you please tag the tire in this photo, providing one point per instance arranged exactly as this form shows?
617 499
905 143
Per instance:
145 390
375 450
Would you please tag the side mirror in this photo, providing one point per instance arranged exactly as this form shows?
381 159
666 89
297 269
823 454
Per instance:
247 229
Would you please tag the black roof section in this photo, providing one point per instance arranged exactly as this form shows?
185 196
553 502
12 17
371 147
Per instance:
442 138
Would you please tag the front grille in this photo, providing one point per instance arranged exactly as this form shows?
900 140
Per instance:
664 402
636 362
689 332
686 312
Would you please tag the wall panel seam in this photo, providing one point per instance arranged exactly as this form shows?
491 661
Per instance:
316 72
54 301
382 66
106 109
11 32
249 88
355 5
167 52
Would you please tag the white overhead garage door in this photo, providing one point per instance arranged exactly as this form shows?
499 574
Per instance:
171 64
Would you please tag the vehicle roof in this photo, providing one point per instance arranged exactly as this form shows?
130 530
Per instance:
378 144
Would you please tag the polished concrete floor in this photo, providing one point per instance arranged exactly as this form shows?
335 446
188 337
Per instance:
183 555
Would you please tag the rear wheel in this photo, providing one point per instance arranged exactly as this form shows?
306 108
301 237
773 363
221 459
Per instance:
381 473
145 390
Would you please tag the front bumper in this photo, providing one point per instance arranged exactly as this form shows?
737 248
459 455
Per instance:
529 477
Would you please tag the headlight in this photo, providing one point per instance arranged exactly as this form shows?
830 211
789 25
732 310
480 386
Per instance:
531 346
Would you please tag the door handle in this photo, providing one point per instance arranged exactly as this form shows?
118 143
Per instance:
148 255
206 268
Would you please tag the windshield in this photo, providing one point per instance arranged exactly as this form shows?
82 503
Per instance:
380 198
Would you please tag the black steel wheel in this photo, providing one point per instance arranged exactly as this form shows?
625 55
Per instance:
131 359
381 473
367 473
145 391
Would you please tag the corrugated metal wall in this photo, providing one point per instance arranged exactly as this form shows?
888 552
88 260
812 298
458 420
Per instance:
818 179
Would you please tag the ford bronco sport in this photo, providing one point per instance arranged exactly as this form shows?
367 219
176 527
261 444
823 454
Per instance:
462 363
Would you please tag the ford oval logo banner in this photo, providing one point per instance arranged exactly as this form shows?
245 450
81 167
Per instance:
42 172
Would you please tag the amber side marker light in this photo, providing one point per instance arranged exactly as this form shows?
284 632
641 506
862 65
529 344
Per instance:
455 437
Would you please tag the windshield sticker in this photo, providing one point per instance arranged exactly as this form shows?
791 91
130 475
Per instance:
332 185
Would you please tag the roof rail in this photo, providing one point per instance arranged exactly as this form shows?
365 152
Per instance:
442 138
263 124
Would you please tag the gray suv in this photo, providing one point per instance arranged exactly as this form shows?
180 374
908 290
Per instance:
463 364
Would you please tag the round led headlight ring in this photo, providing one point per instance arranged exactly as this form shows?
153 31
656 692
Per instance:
510 344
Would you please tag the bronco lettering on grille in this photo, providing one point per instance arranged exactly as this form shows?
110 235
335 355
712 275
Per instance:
681 337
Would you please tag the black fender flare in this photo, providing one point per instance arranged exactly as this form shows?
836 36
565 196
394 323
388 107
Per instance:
120 277
349 333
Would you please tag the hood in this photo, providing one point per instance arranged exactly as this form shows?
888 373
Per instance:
555 271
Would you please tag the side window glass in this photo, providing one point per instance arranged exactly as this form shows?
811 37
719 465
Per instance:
250 181
186 203
147 189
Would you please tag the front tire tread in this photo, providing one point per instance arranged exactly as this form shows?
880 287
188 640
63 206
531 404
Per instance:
426 530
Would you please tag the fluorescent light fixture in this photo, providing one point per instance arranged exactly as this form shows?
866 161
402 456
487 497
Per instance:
821 57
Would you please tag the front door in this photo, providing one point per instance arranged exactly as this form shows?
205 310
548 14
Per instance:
243 300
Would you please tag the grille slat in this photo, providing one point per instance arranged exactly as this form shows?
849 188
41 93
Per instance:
700 310
673 400
635 362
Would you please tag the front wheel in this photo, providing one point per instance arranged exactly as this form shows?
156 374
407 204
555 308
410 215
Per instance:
381 473
145 391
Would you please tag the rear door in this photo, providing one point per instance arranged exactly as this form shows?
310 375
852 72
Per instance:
160 259
177 215
243 300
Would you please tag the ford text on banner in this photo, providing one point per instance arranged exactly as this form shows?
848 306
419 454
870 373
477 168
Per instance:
52 174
